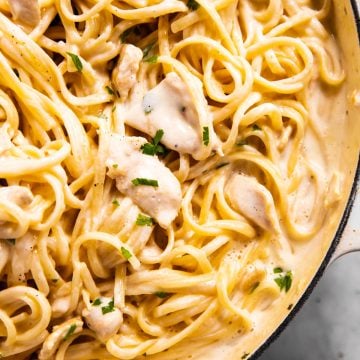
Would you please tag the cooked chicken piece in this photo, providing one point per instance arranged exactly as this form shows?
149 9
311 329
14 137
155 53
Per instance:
126 69
252 200
103 318
126 163
26 11
19 196
60 333
169 106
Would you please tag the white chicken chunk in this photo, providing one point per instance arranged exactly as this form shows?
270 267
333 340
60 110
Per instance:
127 164
169 106
26 11
103 318
126 69
60 333
252 200
19 196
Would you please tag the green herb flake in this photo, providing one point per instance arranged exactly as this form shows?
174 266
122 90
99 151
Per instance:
146 182
76 60
109 90
256 127
115 166
70 331
143 220
193 5
109 307
278 270
97 302
126 253
11 241
161 294
147 50
284 281
206 136
115 202
154 148
151 59
221 165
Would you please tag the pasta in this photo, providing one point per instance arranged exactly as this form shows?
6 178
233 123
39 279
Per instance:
156 177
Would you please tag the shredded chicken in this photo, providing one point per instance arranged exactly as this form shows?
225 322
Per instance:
60 333
126 69
126 162
253 200
26 11
169 106
105 323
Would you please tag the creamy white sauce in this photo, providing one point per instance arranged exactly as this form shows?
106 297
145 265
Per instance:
126 162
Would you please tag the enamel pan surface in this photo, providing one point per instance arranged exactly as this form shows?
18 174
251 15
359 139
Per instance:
355 4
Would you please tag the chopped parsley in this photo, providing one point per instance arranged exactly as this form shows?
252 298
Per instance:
76 60
151 59
154 148
126 253
278 270
115 202
11 241
143 220
108 308
70 331
143 181
284 279
97 302
256 127
161 294
206 136
147 50
109 90
115 166
193 5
